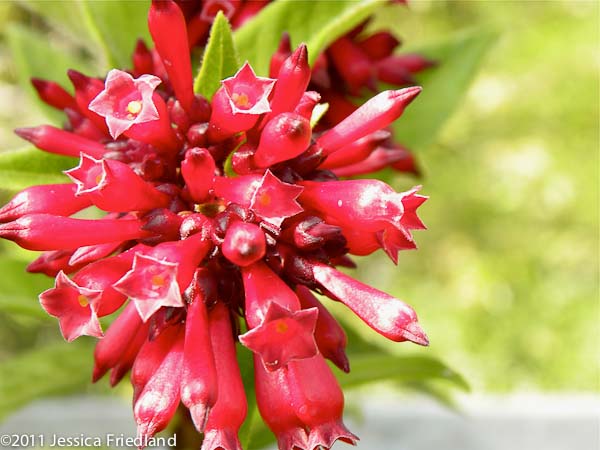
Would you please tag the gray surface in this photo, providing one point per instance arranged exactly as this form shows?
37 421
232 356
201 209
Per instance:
390 422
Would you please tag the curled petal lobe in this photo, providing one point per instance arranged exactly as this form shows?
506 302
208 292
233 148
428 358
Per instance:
126 101
73 306
151 284
275 200
247 93
283 336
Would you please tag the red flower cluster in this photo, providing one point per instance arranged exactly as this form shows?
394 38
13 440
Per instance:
222 218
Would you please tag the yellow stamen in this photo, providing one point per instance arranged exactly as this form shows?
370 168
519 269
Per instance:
134 107
158 280
240 100
281 327
264 199
83 301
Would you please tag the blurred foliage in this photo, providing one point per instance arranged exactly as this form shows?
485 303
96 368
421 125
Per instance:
506 278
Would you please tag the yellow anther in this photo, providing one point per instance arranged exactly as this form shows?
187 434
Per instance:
158 280
83 301
134 107
281 327
264 199
240 100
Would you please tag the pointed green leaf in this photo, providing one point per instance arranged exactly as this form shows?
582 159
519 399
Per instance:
220 58
318 23
443 86
368 368
26 167
31 52
51 370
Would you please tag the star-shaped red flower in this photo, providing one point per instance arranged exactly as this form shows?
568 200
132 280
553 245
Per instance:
73 306
283 336
151 284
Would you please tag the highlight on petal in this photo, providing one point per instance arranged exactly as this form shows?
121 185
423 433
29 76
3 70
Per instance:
126 101
151 284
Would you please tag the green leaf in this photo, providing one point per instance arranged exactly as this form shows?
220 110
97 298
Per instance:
29 166
220 58
19 290
64 17
107 29
443 86
31 53
368 368
115 26
51 370
318 23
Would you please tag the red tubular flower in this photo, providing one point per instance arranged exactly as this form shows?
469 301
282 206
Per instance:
56 199
168 30
352 63
53 262
379 45
150 356
198 170
239 103
91 253
274 403
103 182
292 80
127 358
262 287
141 59
285 136
355 153
318 402
117 338
86 89
53 94
48 232
73 305
228 414
375 114
387 315
199 382
329 335
61 142
368 205
284 50
131 107
158 400
397 157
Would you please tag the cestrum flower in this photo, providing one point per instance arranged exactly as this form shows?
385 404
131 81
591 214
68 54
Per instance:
223 219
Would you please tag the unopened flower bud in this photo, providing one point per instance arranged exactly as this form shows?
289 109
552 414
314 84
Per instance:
244 243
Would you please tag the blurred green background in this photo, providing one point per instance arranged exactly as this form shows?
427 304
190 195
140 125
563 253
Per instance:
506 279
